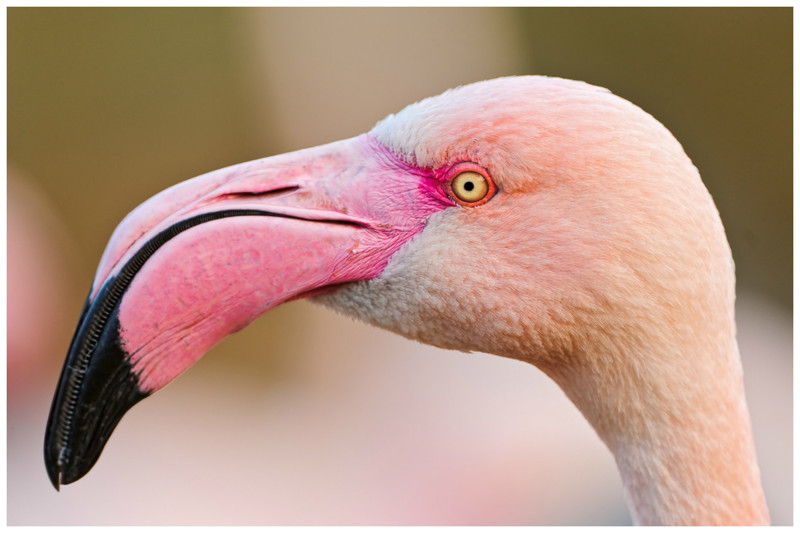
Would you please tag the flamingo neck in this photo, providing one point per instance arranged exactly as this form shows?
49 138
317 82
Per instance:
679 431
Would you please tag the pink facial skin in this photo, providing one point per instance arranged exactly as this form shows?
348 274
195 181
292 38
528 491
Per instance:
352 206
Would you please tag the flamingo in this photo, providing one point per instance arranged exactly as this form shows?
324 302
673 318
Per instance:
530 217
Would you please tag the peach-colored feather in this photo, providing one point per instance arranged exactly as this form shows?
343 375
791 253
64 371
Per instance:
601 260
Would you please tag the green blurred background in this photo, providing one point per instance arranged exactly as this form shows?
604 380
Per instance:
107 106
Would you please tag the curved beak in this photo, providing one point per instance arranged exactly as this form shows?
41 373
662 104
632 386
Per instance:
204 258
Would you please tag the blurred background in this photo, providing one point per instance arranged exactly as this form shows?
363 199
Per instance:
307 417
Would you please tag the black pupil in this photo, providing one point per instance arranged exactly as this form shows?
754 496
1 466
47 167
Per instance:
468 186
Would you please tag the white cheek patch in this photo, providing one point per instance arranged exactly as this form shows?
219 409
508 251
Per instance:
411 295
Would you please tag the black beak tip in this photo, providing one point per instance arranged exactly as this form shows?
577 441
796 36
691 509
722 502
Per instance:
53 472
96 388
76 467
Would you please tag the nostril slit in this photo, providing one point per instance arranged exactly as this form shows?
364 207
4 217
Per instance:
262 194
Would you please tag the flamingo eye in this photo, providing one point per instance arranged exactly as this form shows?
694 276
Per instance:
470 188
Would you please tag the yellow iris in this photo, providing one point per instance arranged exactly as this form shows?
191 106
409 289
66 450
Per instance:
469 187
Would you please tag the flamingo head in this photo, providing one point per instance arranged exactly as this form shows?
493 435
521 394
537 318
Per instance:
529 217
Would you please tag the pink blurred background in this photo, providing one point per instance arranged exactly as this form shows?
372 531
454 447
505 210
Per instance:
306 417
